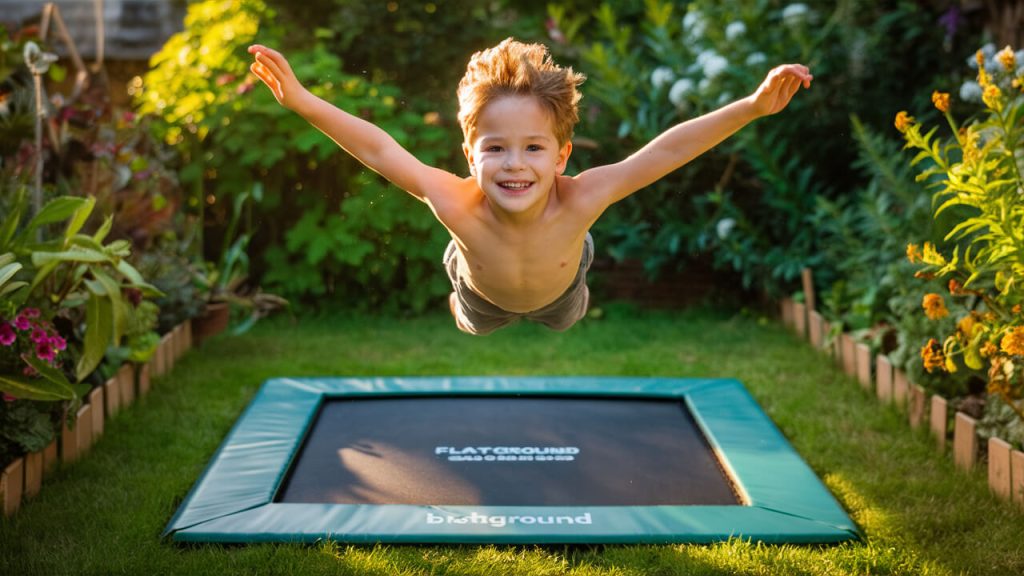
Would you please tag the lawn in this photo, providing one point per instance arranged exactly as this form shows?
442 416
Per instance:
919 515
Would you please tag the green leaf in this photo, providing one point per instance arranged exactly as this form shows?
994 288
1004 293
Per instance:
79 217
32 388
74 254
56 210
112 290
51 374
98 331
7 272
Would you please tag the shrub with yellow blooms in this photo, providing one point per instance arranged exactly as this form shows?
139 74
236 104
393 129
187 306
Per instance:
977 171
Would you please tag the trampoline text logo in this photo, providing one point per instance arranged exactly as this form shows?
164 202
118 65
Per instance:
508 453
499 521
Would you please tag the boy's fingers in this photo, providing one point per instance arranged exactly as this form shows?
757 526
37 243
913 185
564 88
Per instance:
270 63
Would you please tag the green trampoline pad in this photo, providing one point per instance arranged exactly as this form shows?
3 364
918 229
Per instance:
507 460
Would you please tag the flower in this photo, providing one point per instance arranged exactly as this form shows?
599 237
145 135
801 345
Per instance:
795 14
955 287
992 97
724 227
941 100
677 94
756 59
1013 341
931 354
39 335
661 76
735 29
970 91
988 350
913 253
58 342
934 306
903 121
22 323
30 312
1007 59
7 334
712 63
45 352
694 23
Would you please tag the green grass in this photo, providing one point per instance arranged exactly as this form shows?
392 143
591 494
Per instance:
919 515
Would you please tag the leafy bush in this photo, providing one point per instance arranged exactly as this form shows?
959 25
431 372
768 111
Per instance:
325 228
977 170
748 201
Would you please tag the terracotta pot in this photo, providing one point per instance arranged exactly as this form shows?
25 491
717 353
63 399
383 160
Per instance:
213 321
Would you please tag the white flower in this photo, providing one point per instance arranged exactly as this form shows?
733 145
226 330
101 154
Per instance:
661 77
694 23
735 29
724 227
704 85
795 14
677 94
970 91
756 59
711 63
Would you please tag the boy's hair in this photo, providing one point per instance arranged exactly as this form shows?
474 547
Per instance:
513 68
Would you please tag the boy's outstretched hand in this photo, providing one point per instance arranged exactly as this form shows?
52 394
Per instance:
779 87
272 68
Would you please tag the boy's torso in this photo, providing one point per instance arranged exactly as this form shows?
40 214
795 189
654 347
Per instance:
522 267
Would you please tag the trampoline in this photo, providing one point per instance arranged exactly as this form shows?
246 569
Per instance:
507 460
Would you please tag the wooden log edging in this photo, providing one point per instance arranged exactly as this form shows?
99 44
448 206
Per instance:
892 386
23 478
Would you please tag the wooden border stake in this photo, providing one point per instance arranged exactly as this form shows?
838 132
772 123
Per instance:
999 467
938 420
965 441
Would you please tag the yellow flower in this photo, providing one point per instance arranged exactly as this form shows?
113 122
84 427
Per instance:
932 256
1007 59
941 100
913 253
903 121
979 57
992 97
934 307
966 325
931 354
1013 341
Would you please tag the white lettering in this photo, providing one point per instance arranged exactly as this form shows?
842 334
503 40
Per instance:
498 521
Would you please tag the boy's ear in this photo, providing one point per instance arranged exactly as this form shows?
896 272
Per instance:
468 151
563 157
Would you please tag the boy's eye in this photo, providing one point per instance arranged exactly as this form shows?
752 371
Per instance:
494 148
533 148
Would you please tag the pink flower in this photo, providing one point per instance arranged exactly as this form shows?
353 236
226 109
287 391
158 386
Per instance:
8 397
44 351
58 342
39 335
22 323
31 312
7 334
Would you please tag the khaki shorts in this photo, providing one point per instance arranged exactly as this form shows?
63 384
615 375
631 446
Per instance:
476 315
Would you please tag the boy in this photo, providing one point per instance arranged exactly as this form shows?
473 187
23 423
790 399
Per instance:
520 244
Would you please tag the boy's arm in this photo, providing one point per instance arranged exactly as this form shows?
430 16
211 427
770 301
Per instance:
369 144
684 142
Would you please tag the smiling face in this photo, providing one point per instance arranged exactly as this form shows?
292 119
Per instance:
515 155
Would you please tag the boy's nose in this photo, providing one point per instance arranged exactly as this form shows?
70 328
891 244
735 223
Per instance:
512 162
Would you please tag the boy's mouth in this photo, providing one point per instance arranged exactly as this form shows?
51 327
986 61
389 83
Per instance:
515 186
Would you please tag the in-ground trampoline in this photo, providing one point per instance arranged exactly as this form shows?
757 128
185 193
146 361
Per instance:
507 460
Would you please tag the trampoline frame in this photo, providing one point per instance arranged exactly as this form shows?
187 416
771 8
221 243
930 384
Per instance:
233 500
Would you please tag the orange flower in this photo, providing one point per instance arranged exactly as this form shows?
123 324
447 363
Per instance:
932 355
941 100
1016 309
979 57
1007 59
955 287
913 253
967 324
1013 341
988 350
903 121
934 306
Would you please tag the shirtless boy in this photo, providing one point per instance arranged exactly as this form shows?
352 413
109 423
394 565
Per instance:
520 244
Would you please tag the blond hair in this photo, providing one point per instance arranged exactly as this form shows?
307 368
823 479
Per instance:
513 68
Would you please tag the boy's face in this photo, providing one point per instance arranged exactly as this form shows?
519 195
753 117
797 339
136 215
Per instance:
515 155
